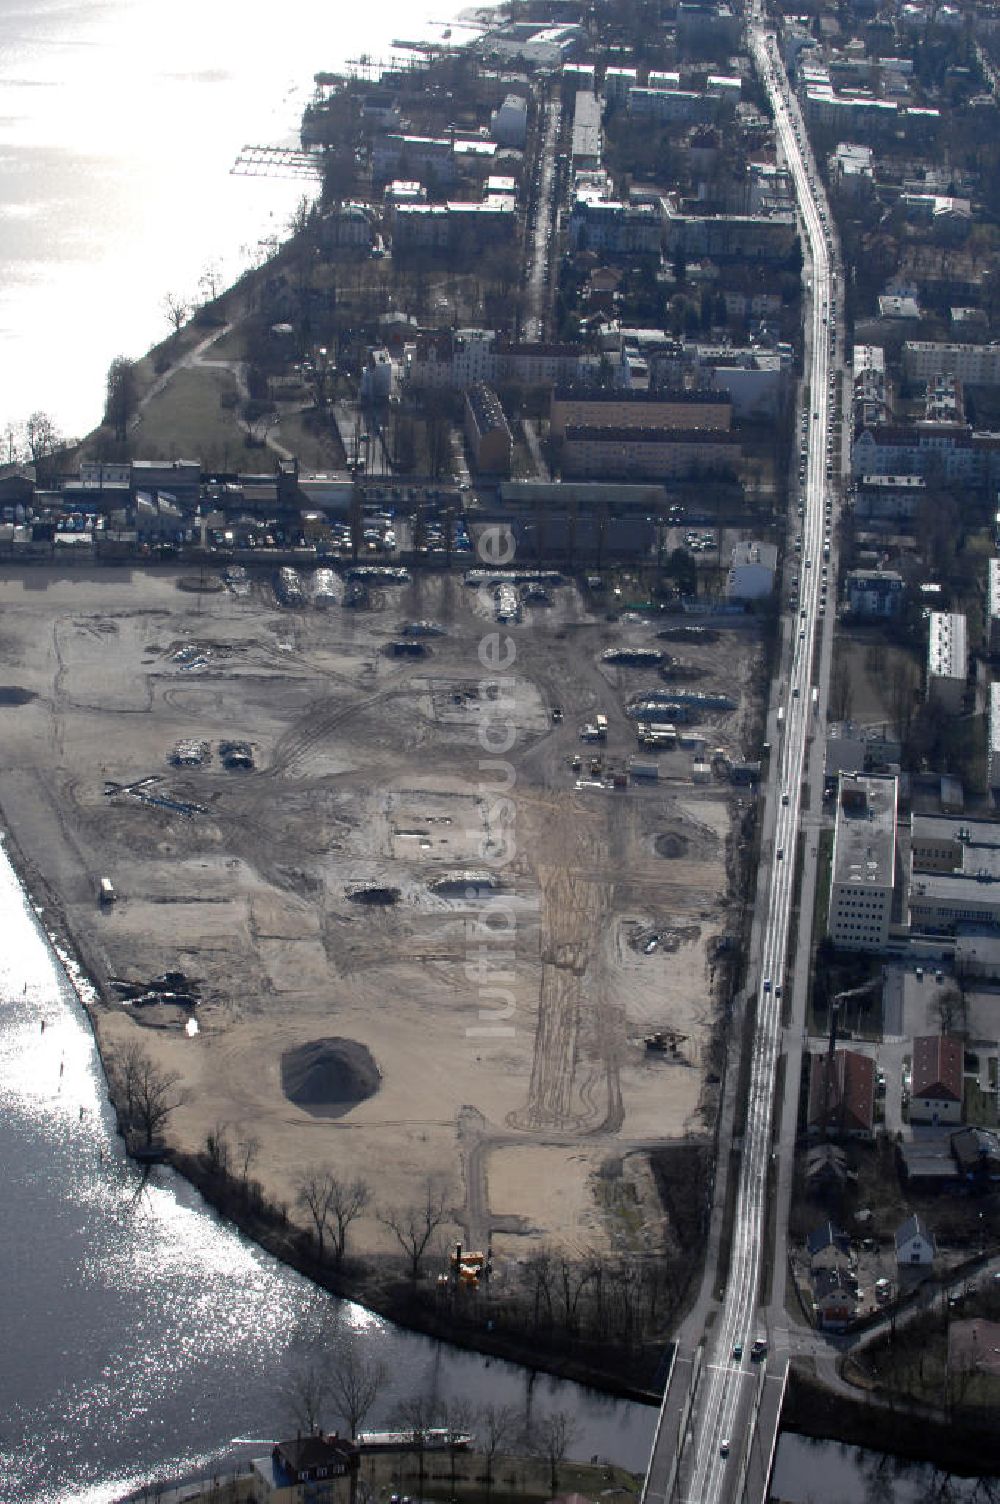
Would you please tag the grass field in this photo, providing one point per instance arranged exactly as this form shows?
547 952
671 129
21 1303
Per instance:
187 420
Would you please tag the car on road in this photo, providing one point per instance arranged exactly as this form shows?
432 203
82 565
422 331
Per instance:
779 855
767 984
724 1447
737 1349
784 798
759 1349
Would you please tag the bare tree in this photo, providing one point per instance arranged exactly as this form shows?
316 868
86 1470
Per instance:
354 1385
217 1150
249 1148
457 1417
176 310
347 1201
495 1424
43 441
13 434
417 1416
315 1195
414 1226
551 1439
306 1393
151 1093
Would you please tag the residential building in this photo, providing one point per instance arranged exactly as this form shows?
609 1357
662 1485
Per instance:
914 1244
670 106
947 660
874 592
841 1094
614 228
952 450
308 1470
578 78
853 169
863 877
835 1300
487 431
751 571
730 237
348 226
509 122
617 83
870 394
454 359
609 449
978 365
993 605
536 363
679 409
937 1079
889 498
586 148
993 733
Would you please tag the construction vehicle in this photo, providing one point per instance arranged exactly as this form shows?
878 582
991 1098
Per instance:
663 1042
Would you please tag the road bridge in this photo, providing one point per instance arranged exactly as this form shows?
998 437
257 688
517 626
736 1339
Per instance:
719 1422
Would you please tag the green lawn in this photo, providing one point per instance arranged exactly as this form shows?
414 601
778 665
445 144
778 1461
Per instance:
187 421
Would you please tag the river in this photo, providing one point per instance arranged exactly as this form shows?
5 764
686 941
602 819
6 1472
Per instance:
120 122
143 1338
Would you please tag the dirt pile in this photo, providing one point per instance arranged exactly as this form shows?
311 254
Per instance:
327 1077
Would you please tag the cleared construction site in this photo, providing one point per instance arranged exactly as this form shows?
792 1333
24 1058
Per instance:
422 893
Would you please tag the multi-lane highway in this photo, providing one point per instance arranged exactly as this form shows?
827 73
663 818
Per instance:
715 1444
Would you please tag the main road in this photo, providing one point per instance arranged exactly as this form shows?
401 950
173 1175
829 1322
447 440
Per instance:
714 1443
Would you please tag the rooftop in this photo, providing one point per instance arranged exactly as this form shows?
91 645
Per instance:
864 844
938 1061
947 650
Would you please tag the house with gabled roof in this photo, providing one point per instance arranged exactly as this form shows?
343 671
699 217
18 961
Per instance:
937 1083
914 1244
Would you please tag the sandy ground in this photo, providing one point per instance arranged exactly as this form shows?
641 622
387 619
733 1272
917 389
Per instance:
508 1026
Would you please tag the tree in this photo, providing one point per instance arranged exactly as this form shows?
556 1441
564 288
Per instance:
43 441
305 1394
414 1226
495 1424
315 1195
176 310
122 399
249 1148
260 415
347 1201
151 1093
551 1439
354 1386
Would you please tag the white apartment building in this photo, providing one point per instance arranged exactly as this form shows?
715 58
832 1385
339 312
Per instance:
947 660
994 736
993 605
863 879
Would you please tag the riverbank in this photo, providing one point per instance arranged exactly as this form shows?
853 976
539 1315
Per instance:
451 1477
373 1284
